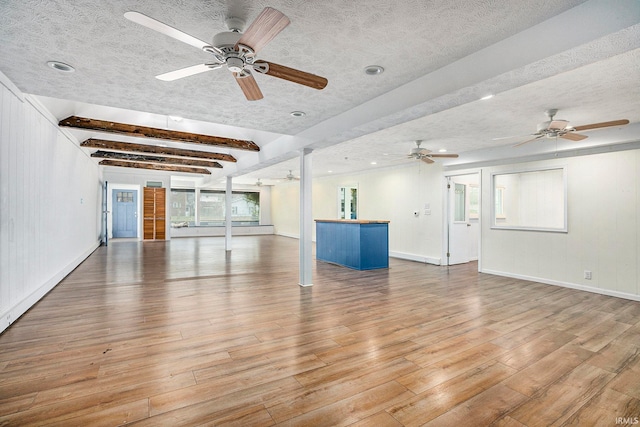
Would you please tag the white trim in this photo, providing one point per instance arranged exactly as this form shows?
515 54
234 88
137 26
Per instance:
492 183
139 207
4 80
591 289
445 205
13 313
586 151
289 235
414 257
35 103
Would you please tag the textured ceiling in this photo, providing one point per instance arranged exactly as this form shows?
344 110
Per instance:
439 56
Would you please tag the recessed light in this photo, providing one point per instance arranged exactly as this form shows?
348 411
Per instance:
298 113
374 163
442 150
373 70
484 98
61 66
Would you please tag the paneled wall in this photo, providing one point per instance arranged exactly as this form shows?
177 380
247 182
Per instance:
384 194
603 220
49 203
603 229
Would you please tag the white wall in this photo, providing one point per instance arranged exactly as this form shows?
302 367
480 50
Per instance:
603 220
122 178
384 194
50 203
603 229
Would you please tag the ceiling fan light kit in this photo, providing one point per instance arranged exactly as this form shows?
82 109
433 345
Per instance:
236 50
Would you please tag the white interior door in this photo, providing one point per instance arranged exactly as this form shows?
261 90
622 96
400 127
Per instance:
462 218
459 226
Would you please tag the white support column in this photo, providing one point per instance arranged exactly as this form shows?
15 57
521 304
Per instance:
196 207
306 219
227 214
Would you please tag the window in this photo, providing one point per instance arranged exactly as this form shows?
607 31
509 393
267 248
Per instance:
460 202
209 208
530 200
499 205
245 207
474 201
348 202
124 196
183 208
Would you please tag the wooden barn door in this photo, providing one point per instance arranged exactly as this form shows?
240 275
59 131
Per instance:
154 221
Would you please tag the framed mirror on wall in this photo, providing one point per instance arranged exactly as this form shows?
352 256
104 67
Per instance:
348 202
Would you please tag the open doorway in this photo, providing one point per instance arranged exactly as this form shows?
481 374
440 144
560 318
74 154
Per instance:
462 231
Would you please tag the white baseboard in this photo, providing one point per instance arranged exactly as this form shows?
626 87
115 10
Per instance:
413 257
608 292
10 315
292 236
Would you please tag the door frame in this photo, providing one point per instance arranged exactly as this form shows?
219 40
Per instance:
447 206
114 202
115 186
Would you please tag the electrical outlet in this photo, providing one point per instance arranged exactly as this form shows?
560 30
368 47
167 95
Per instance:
587 274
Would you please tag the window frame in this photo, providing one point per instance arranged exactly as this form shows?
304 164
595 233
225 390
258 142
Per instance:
495 217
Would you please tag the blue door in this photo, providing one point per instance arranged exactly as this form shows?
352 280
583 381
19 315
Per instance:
125 215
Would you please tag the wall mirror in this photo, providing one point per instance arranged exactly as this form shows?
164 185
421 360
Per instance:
530 200
348 202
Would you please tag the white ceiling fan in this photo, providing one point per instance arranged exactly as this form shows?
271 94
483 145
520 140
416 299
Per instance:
554 128
291 177
426 155
236 50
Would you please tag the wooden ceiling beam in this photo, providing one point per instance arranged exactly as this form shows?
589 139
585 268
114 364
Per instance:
154 149
156 167
155 159
156 133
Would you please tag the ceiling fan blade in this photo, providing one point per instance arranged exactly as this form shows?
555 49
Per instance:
573 136
248 85
602 125
186 72
291 74
165 29
261 31
527 141
508 137
447 156
427 160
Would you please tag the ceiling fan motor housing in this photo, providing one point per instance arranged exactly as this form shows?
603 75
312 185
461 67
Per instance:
226 41
553 128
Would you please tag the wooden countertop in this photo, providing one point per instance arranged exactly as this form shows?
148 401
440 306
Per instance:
354 221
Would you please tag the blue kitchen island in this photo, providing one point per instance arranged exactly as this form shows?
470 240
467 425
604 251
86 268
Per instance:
353 243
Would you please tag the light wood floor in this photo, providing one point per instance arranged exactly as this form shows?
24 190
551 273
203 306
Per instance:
180 334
